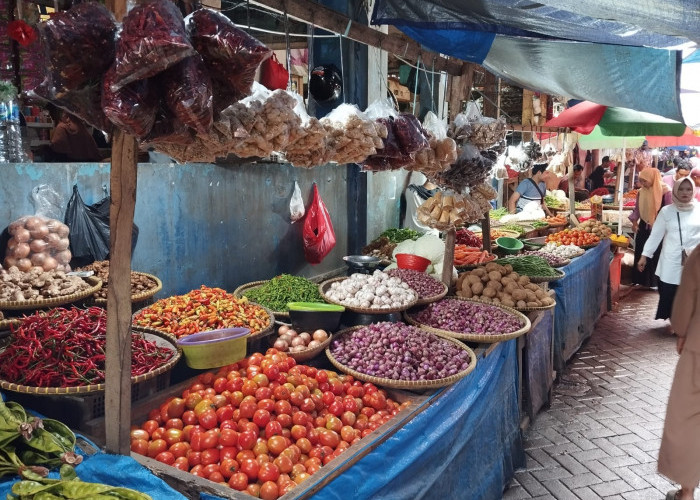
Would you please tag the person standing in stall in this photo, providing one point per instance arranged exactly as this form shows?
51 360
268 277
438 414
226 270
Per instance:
678 225
530 190
649 201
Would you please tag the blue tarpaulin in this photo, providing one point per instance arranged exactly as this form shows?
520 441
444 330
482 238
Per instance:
537 363
581 299
570 49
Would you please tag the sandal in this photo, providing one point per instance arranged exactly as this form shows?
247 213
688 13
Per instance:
671 495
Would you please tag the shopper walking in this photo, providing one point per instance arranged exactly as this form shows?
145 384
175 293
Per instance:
649 202
678 226
679 456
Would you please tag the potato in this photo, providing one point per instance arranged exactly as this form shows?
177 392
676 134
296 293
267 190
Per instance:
473 278
485 278
505 280
508 268
532 287
496 300
496 285
479 271
495 276
508 302
540 294
523 280
530 296
547 301
466 293
477 288
485 299
489 292
465 285
491 266
519 295
521 304
533 303
514 276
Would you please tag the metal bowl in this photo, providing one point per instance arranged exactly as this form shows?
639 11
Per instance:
362 263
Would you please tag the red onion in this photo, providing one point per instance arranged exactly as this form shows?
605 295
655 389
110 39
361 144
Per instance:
399 352
461 316
425 285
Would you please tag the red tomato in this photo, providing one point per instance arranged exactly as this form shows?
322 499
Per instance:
173 436
140 434
174 423
189 418
166 457
268 472
263 393
150 426
207 419
284 464
253 490
216 477
246 440
179 449
202 406
224 413
210 456
329 438
247 408
238 481
276 444
300 418
297 432
228 452
269 490
156 446
139 446
194 457
304 445
228 467
182 464
261 417
175 408
228 437
284 420
250 468
219 384
210 469
273 428
281 393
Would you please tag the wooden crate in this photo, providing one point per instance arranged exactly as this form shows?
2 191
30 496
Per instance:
191 486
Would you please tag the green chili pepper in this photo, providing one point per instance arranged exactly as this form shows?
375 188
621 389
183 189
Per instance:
282 289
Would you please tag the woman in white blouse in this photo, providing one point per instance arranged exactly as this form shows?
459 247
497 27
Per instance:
678 225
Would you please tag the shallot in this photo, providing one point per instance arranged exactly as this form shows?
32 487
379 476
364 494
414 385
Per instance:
399 352
461 316
425 285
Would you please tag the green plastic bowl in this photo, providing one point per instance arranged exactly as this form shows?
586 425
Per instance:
310 316
509 245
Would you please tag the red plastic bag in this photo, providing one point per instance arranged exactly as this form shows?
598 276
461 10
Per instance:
273 75
318 234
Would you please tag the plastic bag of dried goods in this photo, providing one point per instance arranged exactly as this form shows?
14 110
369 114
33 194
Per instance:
188 93
152 39
132 108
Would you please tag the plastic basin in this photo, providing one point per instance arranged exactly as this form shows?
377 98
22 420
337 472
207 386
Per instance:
509 245
310 316
411 261
214 348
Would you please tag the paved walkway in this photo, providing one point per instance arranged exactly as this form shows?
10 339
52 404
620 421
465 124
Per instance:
600 437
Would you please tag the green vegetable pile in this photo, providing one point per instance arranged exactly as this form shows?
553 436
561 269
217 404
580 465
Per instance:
552 201
396 235
277 292
33 442
513 227
497 213
538 224
530 265
36 487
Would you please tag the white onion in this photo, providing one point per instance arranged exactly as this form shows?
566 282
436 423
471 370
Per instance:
40 232
38 246
22 235
283 329
49 264
63 244
320 335
9 262
313 344
292 332
281 345
298 341
38 258
286 338
21 251
33 222
53 240
24 264
63 257
62 230
306 336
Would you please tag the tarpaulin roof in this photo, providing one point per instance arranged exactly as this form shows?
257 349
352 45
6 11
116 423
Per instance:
608 51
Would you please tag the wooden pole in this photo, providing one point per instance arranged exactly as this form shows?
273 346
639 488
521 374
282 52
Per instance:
460 88
449 260
486 233
118 347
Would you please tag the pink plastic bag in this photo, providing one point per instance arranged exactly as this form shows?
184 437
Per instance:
318 234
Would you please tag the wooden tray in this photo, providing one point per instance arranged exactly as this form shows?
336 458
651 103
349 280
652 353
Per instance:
323 287
160 338
477 337
26 305
405 384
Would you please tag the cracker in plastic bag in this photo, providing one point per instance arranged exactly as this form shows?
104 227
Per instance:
152 39
188 93
311 146
78 46
296 204
353 137
132 108
231 55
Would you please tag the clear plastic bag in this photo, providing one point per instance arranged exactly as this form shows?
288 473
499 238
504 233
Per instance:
85 103
352 135
168 130
311 147
132 108
37 241
47 202
230 54
152 39
188 93
78 46
434 125
296 204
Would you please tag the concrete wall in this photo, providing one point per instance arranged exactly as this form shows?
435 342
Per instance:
219 225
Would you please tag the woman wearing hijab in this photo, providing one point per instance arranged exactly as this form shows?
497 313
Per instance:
649 202
679 456
678 225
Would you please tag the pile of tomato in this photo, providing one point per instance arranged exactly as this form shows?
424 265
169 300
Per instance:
262 425
573 237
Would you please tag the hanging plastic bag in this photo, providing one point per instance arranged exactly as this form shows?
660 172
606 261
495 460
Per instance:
132 108
296 204
273 74
89 230
188 93
318 234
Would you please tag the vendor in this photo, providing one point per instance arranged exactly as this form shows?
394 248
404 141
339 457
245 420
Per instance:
580 190
530 190
600 173
71 141
419 189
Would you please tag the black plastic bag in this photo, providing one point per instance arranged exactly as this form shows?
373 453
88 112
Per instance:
89 230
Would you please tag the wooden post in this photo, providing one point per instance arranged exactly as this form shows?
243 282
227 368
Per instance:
460 88
118 347
486 233
449 260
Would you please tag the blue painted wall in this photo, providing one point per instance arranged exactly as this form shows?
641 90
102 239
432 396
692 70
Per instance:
215 224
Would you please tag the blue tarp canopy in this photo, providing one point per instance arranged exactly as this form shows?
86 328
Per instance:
607 51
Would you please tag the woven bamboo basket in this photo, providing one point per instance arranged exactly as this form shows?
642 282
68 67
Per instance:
8 323
24 305
563 263
477 337
323 287
520 309
138 297
470 267
542 279
308 354
159 337
405 384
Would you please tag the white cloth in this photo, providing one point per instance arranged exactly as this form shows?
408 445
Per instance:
410 221
666 228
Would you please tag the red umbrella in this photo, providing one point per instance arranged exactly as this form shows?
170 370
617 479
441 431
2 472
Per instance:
581 118
687 139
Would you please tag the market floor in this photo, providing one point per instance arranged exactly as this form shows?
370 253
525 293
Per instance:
600 437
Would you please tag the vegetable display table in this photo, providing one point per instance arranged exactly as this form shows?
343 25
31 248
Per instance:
582 297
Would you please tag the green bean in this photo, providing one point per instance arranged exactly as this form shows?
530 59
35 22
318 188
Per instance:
497 213
277 292
530 265
396 235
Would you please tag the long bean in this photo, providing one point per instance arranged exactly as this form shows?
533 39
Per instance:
530 265
277 292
